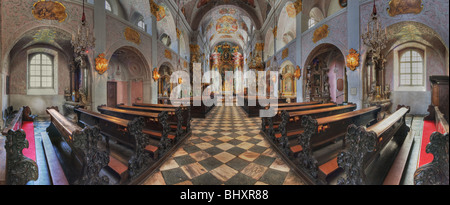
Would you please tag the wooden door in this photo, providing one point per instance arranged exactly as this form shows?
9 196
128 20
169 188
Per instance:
137 91
111 94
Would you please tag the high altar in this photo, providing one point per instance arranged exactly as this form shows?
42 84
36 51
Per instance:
227 57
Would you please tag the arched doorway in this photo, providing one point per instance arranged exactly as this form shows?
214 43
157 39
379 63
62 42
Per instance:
127 71
325 75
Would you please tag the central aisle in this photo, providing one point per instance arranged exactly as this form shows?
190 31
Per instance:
225 148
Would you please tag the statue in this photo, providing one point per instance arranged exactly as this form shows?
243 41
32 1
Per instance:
67 94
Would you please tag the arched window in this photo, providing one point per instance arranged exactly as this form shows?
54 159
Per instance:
141 24
315 16
411 68
40 73
311 23
108 6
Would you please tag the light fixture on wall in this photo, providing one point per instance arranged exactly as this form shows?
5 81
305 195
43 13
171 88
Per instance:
353 59
84 39
156 75
101 64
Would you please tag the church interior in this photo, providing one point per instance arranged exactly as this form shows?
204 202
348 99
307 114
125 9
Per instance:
168 92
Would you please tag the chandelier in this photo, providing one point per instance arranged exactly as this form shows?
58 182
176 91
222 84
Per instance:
84 39
375 38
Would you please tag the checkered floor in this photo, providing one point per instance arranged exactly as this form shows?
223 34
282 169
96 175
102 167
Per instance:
225 149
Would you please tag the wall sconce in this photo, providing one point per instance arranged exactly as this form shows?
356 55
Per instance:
156 75
353 59
298 73
101 64
180 81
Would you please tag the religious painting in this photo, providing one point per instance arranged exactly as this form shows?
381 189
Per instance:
241 37
397 7
158 11
316 80
250 3
226 36
343 3
224 11
244 26
202 3
49 10
226 25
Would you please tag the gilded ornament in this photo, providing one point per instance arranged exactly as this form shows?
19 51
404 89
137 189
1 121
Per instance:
398 7
353 59
101 64
49 10
132 35
285 53
320 33
168 54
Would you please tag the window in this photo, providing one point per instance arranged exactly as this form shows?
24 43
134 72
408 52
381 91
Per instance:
411 68
141 24
40 71
108 6
311 23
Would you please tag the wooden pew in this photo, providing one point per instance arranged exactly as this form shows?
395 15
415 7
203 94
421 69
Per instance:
267 124
290 126
152 126
319 141
17 168
84 144
179 117
437 171
364 147
130 133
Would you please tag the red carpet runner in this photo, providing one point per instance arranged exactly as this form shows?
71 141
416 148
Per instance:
28 127
428 128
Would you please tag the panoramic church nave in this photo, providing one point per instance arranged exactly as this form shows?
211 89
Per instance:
224 92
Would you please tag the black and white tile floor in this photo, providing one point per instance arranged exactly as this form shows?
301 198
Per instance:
226 148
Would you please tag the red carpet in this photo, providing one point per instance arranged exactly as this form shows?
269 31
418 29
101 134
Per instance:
28 127
428 128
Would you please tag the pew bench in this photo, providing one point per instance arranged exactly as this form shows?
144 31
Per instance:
367 157
291 127
436 172
145 150
321 140
15 167
84 145
153 127
179 117
269 123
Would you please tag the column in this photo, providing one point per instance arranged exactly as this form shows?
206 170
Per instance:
354 40
298 55
99 87
154 64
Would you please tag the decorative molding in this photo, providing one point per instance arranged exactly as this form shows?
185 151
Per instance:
132 35
320 33
49 10
398 7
